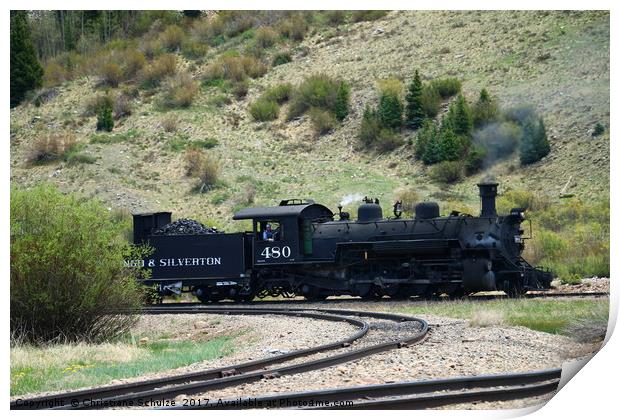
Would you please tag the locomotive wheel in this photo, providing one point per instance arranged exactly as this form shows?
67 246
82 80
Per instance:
514 290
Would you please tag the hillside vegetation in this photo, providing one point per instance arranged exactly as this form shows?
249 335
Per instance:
204 116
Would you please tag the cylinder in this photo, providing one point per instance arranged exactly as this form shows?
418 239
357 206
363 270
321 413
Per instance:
488 192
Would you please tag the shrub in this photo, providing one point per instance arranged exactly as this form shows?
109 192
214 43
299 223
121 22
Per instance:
426 134
335 17
111 74
293 28
370 127
341 107
55 74
475 159
280 58
96 103
264 110
265 37
391 86
180 91
172 38
279 93
162 67
388 140
169 123
209 172
50 147
409 197
194 159
430 100
485 110
122 106
447 87
367 15
322 121
447 172
240 89
133 62
253 67
390 110
234 68
65 280
598 129
194 50
316 91
105 121
450 147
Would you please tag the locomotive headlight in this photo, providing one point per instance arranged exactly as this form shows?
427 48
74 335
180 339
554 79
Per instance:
522 215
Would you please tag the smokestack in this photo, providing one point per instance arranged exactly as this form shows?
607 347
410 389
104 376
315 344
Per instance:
488 192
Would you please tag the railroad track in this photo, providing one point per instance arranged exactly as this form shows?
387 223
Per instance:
405 395
352 299
132 394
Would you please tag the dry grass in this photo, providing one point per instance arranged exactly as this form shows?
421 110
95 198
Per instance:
51 146
179 91
111 74
194 160
162 67
486 318
170 123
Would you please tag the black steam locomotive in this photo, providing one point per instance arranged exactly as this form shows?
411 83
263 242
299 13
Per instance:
302 248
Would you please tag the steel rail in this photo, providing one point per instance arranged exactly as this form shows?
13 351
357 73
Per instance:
133 387
405 395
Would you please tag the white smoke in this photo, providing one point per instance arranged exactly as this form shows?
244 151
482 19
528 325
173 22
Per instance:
350 198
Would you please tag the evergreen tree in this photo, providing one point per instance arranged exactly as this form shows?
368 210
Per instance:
426 132
461 118
450 146
26 71
432 149
105 122
341 107
390 111
370 127
414 112
534 142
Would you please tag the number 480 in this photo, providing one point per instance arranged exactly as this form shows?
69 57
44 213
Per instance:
276 252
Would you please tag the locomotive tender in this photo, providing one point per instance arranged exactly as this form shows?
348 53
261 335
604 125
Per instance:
307 251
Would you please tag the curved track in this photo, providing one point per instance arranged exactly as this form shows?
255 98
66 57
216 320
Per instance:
131 394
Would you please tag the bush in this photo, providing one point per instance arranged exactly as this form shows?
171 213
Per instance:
209 172
194 50
598 129
169 123
367 15
335 17
265 37
111 74
388 140
447 87
485 110
194 159
65 280
55 74
447 172
264 110
95 104
475 159
322 121
133 62
240 89
105 121
279 93
172 38
122 106
180 91
162 67
50 147
341 107
370 127
281 58
316 91
409 197
534 144
427 134
431 100
233 68
293 28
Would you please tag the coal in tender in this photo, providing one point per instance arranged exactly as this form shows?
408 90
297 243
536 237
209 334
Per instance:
184 227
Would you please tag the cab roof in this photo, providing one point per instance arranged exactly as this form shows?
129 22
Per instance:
308 210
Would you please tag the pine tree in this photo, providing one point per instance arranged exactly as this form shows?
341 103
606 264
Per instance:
390 111
426 132
450 146
432 149
462 122
105 122
26 71
414 112
534 142
485 110
341 107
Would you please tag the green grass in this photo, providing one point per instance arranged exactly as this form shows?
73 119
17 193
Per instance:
180 143
551 316
84 365
113 138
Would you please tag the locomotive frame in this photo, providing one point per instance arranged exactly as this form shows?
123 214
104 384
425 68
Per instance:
316 255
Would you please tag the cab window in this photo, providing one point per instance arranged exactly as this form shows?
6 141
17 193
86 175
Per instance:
269 230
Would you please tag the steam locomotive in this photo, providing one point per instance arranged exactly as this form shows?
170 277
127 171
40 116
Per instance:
302 248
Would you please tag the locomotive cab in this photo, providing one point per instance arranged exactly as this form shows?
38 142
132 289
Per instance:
283 234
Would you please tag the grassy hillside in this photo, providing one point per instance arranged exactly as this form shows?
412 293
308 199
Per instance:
556 61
